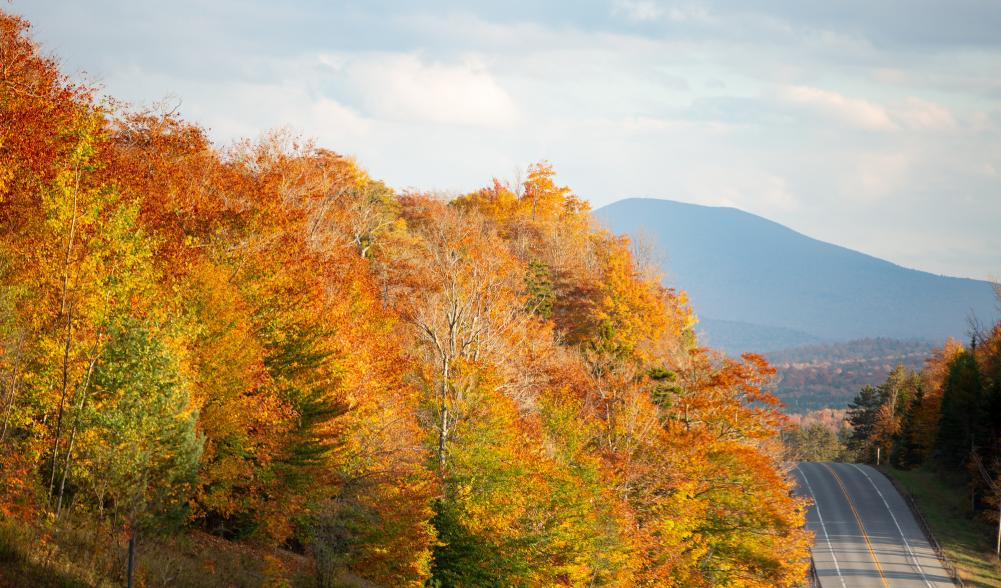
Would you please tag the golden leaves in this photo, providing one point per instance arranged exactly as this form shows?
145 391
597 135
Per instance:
413 388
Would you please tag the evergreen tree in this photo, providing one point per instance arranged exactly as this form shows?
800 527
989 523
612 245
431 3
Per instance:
961 407
816 442
142 447
863 413
541 293
909 450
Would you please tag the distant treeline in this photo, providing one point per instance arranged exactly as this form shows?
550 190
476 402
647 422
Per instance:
829 375
831 353
948 412
945 416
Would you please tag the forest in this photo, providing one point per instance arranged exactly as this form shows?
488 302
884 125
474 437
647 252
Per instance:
943 417
259 345
946 415
829 375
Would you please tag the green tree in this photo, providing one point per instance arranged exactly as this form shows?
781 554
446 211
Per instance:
959 425
863 412
142 446
909 450
540 289
815 442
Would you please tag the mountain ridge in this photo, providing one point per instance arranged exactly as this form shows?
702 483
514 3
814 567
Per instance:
739 267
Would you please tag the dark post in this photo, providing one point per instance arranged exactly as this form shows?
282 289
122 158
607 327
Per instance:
999 529
132 556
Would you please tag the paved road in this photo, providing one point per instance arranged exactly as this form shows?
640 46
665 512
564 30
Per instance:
865 535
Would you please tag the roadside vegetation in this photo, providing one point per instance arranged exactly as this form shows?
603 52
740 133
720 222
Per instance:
937 431
80 552
813 442
944 502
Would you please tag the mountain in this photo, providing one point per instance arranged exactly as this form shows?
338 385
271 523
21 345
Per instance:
760 286
736 336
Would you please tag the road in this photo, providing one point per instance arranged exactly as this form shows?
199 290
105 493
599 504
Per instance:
865 535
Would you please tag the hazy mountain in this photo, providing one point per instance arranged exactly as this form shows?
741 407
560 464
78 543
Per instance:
757 285
735 336
831 374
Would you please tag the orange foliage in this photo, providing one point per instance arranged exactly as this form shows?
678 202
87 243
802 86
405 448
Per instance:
408 389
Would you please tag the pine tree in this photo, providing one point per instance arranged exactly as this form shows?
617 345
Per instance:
961 405
909 450
863 413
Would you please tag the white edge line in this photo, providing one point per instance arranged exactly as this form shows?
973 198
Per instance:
899 530
823 527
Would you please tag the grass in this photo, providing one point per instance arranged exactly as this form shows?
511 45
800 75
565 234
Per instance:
80 554
944 501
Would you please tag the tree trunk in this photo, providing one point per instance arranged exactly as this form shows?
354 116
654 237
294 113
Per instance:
62 403
15 374
443 403
76 423
442 435
132 557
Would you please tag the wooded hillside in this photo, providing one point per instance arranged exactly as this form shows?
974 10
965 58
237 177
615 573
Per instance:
264 343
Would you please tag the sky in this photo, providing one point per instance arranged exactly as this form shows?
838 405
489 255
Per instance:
873 125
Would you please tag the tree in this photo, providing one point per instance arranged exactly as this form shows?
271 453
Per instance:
265 343
863 416
815 442
139 443
466 301
959 426
540 289
912 448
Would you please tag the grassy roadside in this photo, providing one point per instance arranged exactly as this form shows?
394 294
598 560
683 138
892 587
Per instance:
78 554
944 502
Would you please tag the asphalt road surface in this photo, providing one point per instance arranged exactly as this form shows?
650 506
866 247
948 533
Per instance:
865 535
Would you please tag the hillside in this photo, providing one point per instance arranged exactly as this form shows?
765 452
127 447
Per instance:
744 272
261 366
831 374
735 337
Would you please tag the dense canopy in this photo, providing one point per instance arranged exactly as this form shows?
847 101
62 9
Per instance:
265 344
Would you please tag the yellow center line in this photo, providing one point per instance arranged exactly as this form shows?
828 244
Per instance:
858 519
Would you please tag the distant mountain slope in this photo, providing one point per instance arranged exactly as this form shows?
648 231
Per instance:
741 268
734 337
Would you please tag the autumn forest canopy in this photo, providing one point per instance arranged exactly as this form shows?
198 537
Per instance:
261 344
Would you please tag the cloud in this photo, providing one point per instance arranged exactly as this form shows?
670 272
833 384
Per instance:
656 125
402 86
651 10
638 10
748 189
830 120
911 113
918 114
879 175
332 117
861 114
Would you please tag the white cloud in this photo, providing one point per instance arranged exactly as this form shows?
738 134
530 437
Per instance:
858 113
650 124
741 186
912 113
689 13
639 10
332 118
754 106
923 115
403 87
879 175
651 10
